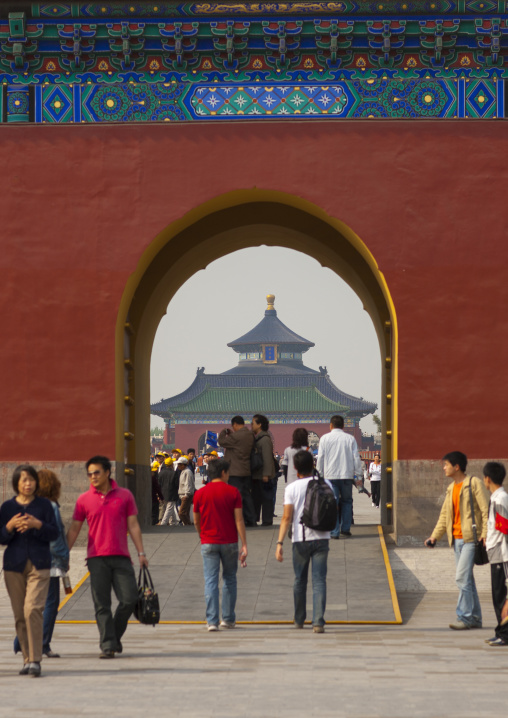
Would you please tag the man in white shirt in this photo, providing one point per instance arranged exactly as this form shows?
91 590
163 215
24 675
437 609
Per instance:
313 546
339 462
497 548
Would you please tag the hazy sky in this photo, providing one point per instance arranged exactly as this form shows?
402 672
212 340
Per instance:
311 300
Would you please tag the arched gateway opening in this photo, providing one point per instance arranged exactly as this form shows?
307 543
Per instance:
231 222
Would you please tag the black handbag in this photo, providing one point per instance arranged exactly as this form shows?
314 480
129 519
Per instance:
480 552
147 609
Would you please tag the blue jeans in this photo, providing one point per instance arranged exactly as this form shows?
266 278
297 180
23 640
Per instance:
468 605
49 615
343 490
213 555
303 553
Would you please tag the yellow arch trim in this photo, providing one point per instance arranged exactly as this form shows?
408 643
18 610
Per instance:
228 201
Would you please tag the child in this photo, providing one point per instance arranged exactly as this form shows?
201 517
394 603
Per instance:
497 548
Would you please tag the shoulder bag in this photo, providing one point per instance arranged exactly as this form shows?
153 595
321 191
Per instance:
480 552
147 609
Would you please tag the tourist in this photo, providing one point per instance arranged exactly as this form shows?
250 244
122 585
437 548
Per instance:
299 441
164 478
191 455
110 512
49 488
27 526
456 521
262 487
309 547
339 462
497 548
238 442
375 480
218 519
185 490
157 498
171 516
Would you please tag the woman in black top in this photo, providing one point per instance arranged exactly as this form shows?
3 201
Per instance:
27 526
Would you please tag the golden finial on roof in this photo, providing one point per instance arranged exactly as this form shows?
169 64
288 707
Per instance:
270 298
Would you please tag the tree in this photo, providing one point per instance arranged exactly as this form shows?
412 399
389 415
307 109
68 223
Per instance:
157 431
377 422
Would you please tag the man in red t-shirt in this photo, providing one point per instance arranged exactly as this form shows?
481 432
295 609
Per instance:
218 519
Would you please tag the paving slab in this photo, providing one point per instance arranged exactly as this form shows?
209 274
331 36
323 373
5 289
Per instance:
358 587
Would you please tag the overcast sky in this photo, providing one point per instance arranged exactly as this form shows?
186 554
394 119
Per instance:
226 300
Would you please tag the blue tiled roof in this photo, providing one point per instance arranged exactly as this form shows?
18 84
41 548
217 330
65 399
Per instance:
271 330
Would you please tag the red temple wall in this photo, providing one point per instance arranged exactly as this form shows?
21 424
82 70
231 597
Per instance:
79 205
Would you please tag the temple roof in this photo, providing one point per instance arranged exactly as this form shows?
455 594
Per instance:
319 382
214 400
271 330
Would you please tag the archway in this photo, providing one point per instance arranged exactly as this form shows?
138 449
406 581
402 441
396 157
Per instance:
238 220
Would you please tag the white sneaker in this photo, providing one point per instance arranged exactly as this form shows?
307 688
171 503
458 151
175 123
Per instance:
212 627
373 505
227 624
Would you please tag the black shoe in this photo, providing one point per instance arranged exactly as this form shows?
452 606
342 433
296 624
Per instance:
24 670
119 648
346 533
267 523
335 537
34 670
250 524
107 654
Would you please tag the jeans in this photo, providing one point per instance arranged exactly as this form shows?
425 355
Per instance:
375 487
468 605
343 490
244 486
107 572
303 553
213 555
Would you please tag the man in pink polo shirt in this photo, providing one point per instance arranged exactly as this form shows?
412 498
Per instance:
110 512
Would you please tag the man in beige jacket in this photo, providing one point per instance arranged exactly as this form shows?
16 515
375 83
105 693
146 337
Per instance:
456 520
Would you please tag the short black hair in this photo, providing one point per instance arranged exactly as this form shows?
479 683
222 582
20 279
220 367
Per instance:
238 420
189 451
456 458
262 421
337 421
494 471
17 475
216 467
102 460
304 463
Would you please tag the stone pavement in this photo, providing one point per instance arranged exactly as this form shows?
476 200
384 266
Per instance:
420 668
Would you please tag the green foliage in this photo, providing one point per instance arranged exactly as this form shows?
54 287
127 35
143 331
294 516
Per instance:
377 422
157 431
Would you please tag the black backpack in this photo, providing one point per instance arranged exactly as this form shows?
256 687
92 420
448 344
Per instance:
320 507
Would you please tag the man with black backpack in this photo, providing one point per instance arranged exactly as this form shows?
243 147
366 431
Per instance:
308 501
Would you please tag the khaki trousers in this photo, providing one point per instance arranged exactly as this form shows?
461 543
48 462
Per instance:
28 591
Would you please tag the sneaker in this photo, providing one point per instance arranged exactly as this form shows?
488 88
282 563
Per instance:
227 624
51 654
491 640
459 626
212 627
346 533
318 629
298 625
107 654
498 642
24 670
373 505
34 670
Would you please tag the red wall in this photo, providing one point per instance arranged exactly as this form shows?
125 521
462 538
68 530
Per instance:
80 204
